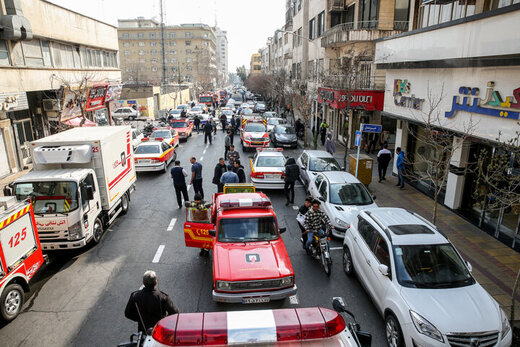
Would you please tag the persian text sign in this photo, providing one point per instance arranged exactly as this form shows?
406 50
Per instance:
370 100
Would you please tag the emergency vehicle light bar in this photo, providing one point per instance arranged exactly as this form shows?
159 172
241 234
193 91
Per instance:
261 149
242 327
238 203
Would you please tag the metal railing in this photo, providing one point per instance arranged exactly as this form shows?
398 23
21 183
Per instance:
361 31
401 25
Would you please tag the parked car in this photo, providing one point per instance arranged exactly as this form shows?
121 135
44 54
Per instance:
267 167
183 127
246 111
271 122
126 113
154 156
342 196
284 135
420 284
268 115
137 137
260 107
311 162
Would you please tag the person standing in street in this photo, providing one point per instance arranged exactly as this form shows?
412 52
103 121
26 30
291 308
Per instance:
400 167
239 170
229 176
233 124
178 174
227 143
383 158
196 123
329 144
323 131
292 172
149 305
223 121
220 169
208 129
196 177
232 155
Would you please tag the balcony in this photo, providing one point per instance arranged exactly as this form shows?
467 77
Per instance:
346 33
335 5
288 16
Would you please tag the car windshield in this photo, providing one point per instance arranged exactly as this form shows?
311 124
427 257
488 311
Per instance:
196 108
284 130
162 133
270 161
247 111
179 125
255 128
274 121
206 99
49 197
247 229
324 164
182 107
431 266
349 194
147 149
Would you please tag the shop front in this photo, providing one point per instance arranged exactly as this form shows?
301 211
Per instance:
15 131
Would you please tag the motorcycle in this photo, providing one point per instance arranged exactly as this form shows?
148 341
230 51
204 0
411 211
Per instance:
148 129
361 338
319 248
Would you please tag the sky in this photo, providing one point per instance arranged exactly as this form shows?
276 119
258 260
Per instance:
248 23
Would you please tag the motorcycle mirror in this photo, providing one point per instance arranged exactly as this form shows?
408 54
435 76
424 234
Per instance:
321 198
282 230
364 338
338 306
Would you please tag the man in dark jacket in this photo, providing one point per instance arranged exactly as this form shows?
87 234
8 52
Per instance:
149 305
196 123
223 121
208 129
233 125
220 168
383 158
178 174
239 170
292 172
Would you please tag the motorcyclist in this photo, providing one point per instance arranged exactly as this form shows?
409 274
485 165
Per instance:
302 211
315 221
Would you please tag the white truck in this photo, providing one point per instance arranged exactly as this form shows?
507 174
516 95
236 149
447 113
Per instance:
81 181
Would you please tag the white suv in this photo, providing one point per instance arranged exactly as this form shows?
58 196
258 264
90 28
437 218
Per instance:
420 284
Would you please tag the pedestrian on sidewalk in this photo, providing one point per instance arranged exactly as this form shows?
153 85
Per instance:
196 176
208 129
383 158
229 176
232 155
239 170
373 139
220 169
227 143
178 174
292 172
329 144
323 131
400 167
196 122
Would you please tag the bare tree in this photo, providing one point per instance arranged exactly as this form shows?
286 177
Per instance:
302 102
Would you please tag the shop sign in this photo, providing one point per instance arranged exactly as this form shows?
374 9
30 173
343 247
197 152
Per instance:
72 102
13 102
401 90
492 105
370 100
113 92
96 97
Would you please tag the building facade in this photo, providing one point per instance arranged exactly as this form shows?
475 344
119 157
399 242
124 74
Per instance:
186 53
255 66
468 84
222 54
38 62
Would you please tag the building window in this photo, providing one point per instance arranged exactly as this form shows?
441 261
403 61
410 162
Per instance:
126 44
172 51
172 43
368 14
127 52
154 69
321 24
141 44
141 52
174 60
140 35
205 35
32 52
125 36
299 37
153 51
312 29
154 61
189 60
128 69
4 53
133 36
171 36
188 43
151 35
188 51
187 34
153 43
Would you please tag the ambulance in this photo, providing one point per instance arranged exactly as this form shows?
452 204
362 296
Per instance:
20 254
250 261
81 182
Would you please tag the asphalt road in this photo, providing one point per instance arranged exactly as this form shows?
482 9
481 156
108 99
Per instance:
79 299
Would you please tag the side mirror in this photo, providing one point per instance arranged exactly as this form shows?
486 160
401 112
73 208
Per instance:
383 269
212 232
89 192
282 230
470 268
373 197
8 191
321 198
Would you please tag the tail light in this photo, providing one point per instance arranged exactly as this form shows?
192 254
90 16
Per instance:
144 139
259 175
156 161
159 138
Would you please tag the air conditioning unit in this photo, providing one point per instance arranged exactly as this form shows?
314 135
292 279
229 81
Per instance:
51 104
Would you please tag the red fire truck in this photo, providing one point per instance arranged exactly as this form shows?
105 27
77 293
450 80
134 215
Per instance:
20 255
207 99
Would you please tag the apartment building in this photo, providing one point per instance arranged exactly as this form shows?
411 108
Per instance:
185 53
38 62
461 60
255 64
222 54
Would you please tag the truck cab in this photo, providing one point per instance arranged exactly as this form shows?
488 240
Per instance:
250 261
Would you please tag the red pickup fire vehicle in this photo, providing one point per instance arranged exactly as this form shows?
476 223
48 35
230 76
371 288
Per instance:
250 262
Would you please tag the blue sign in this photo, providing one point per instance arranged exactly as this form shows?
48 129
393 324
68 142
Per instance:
130 102
358 138
372 128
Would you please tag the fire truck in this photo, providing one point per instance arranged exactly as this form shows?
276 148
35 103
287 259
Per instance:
207 99
250 261
20 254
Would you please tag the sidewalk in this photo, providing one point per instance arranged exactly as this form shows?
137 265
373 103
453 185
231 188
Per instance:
495 265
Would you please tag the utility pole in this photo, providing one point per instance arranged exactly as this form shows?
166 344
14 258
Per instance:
163 48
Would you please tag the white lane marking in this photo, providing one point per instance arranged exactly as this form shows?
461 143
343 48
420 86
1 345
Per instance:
201 158
295 207
335 248
340 299
158 254
172 224
207 145
294 299
204 151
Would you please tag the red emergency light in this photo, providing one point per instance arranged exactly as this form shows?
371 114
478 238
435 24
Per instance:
261 149
221 328
238 203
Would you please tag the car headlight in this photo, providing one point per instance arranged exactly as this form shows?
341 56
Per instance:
424 327
287 281
223 285
341 223
505 324
75 231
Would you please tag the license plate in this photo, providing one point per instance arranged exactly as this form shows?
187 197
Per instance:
256 300
257 143
272 177
144 161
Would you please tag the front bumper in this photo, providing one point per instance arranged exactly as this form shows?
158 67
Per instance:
149 167
339 232
287 144
53 246
267 184
238 297
255 144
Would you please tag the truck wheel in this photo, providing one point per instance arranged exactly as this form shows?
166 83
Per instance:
97 231
125 204
11 301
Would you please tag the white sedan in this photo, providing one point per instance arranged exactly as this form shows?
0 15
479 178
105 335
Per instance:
343 196
154 156
267 168
271 122
311 162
